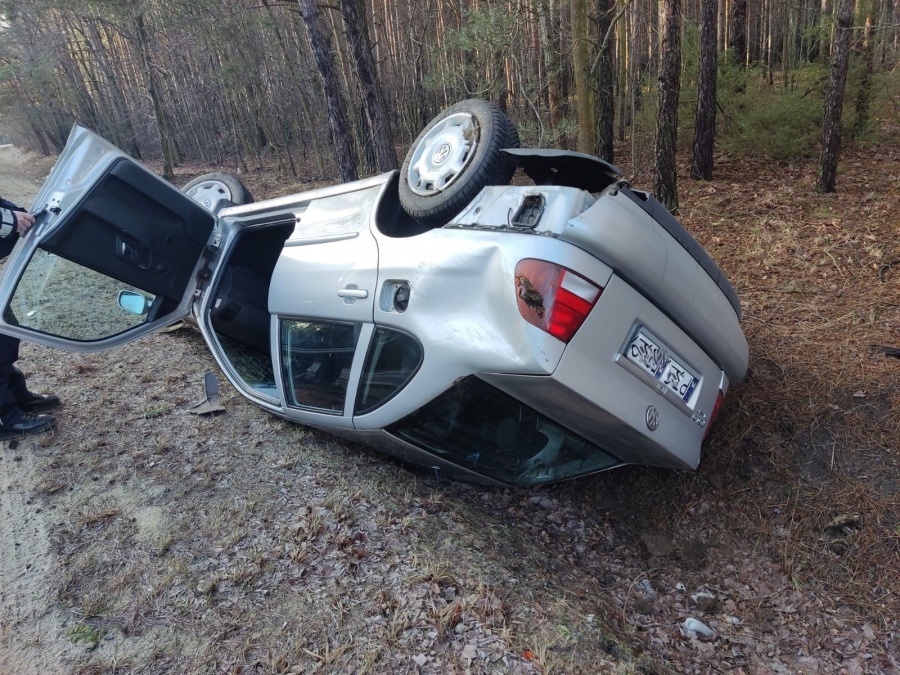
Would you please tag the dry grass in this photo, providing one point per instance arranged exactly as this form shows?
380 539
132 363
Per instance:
815 275
243 544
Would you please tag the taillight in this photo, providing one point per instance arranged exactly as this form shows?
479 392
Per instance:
554 298
715 413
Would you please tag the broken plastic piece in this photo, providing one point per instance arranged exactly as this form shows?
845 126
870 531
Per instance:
211 405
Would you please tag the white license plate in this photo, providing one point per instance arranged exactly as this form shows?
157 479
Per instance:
661 365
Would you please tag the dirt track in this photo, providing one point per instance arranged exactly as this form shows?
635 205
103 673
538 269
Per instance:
32 627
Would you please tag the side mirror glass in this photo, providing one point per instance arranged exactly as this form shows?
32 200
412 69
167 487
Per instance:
134 303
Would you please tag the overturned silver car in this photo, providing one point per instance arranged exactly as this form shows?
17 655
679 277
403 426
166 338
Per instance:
503 334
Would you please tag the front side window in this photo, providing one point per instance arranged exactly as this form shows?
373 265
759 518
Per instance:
316 360
392 360
477 426
59 297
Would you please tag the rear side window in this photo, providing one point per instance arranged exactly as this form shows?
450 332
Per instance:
477 426
392 361
316 358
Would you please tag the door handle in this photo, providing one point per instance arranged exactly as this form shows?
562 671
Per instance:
352 291
133 251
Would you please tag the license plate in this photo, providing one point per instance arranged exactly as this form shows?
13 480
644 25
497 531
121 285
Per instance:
661 365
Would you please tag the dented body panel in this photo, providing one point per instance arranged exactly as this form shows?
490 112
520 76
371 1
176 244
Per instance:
546 332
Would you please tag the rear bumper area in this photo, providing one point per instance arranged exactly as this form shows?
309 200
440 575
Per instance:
597 392
621 232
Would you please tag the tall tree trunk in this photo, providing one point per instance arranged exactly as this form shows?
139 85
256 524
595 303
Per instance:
667 109
864 91
770 42
754 29
722 26
705 129
341 133
121 113
737 32
550 54
623 61
584 106
606 83
834 98
166 138
373 100
825 31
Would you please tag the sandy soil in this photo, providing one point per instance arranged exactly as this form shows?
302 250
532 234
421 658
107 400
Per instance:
32 626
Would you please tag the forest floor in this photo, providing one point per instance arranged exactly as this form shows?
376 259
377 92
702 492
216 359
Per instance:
139 538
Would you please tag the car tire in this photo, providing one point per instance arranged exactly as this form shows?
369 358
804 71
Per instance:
512 138
214 191
456 155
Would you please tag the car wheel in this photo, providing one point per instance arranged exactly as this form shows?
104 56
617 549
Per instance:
215 191
454 157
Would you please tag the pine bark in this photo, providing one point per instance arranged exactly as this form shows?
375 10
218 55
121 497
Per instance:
834 98
341 133
584 105
864 89
705 129
171 154
606 83
548 30
373 99
667 108
722 26
737 32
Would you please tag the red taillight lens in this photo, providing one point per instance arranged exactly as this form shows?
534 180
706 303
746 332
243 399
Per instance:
715 413
554 298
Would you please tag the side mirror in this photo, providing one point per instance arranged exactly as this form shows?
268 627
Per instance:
135 303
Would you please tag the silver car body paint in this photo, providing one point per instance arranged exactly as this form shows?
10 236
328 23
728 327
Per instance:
338 263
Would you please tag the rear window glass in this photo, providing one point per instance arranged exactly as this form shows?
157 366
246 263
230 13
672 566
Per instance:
392 360
477 426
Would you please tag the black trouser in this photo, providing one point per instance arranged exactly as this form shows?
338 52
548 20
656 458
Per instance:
13 389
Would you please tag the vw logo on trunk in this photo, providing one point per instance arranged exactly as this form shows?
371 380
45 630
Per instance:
441 153
652 418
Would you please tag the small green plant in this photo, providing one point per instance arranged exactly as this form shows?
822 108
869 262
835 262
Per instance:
158 411
773 123
82 632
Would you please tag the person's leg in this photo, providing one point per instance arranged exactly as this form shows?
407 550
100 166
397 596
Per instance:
9 406
29 401
26 400
13 420
17 384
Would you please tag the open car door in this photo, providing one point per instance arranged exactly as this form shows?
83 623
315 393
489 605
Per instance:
115 252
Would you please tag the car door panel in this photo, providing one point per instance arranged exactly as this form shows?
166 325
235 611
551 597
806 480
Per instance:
130 228
291 380
104 224
328 250
326 275
329 266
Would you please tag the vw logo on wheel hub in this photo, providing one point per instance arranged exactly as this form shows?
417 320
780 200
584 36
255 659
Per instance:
441 154
652 418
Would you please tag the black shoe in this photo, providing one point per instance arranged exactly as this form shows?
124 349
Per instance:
26 425
38 402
